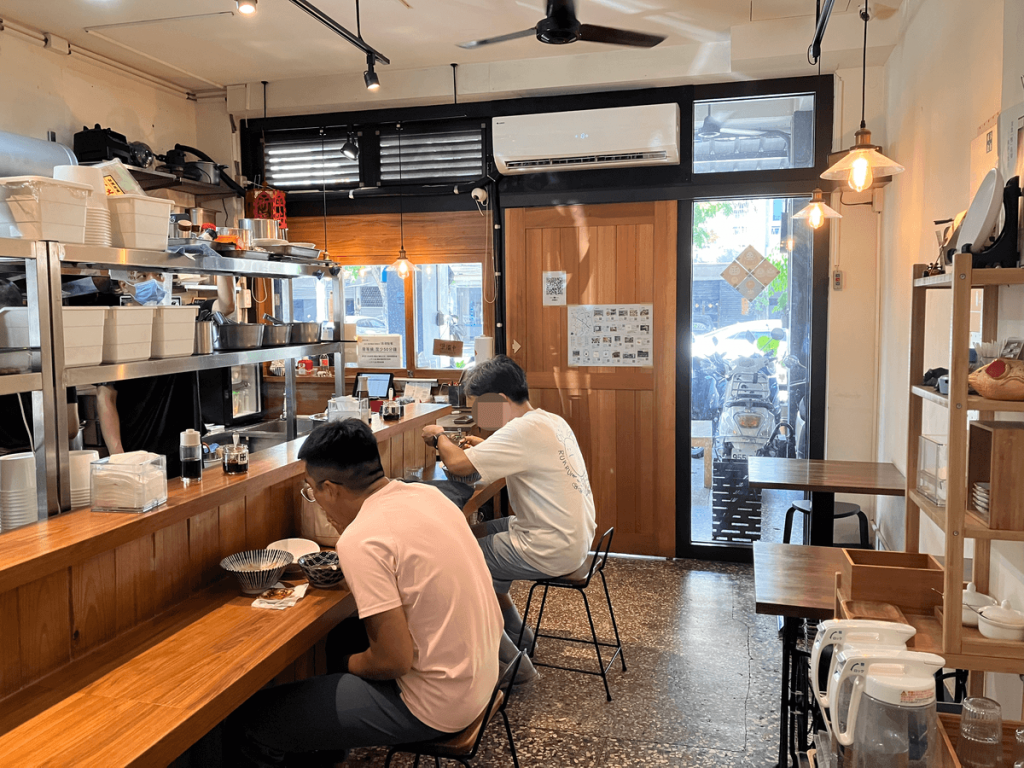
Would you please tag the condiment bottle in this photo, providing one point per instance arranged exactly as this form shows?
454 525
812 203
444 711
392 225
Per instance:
190 452
236 458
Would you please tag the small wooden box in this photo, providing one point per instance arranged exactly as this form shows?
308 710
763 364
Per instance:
909 580
996 456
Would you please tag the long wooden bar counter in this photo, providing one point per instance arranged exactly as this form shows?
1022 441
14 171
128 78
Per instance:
120 641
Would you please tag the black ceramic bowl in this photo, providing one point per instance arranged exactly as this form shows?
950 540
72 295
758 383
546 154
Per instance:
322 569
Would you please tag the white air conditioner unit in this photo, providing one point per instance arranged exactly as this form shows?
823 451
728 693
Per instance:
620 137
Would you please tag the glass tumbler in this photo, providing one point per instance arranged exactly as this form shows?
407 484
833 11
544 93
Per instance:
981 734
1018 750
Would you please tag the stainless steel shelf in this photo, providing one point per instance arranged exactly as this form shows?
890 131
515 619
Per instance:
143 368
14 248
157 261
20 382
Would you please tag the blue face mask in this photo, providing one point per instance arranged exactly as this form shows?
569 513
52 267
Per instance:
150 292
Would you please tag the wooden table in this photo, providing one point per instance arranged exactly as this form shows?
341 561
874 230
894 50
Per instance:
145 701
824 479
796 583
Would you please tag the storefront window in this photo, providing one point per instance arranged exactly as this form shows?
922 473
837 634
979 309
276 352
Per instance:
375 303
449 307
758 134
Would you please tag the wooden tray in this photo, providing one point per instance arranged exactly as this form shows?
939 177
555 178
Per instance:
906 579
949 732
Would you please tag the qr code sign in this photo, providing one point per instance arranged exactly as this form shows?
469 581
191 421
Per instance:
554 288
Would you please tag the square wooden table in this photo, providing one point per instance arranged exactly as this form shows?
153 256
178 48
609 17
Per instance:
797 583
824 479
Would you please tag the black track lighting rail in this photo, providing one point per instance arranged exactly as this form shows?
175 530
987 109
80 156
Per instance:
356 40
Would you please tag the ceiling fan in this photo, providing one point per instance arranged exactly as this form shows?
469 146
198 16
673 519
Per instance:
561 26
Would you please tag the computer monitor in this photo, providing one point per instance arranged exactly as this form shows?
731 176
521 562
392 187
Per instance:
377 384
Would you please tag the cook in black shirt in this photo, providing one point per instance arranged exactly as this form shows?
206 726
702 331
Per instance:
150 414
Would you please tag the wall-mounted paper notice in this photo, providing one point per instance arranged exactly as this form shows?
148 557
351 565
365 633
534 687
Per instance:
384 351
611 334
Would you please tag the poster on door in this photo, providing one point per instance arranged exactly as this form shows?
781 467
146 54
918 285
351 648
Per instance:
618 335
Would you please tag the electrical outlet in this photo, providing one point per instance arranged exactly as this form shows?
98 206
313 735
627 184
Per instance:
244 298
837 280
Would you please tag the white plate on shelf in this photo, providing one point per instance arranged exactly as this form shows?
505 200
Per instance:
267 242
303 245
980 221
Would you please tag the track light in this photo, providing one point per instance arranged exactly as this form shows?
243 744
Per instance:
369 76
247 7
350 149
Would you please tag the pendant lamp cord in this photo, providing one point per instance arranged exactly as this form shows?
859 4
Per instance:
864 66
455 84
359 29
401 191
323 178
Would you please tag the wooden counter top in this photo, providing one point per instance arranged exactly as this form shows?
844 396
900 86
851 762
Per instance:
144 701
37 550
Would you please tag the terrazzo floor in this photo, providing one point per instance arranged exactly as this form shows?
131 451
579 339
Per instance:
701 688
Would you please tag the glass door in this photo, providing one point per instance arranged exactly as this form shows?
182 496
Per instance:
752 285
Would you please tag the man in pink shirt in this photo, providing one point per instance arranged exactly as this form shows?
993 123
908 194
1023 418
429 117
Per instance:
421 587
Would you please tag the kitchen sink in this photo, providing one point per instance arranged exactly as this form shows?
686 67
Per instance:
259 437
279 427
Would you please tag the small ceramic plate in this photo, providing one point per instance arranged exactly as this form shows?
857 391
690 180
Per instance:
268 242
301 245
297 548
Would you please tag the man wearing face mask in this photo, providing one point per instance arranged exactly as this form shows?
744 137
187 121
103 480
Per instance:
150 414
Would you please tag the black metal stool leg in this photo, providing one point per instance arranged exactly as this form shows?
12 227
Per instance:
611 612
787 531
865 538
511 742
526 616
540 617
387 762
597 645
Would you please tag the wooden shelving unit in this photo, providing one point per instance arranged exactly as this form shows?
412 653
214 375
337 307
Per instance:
963 647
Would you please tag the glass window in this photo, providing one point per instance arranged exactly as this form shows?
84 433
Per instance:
375 302
311 300
756 134
448 306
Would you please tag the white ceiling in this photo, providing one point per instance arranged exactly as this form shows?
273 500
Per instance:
218 46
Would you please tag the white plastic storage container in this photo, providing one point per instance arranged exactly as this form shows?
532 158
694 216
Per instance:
174 331
128 334
83 333
45 209
139 221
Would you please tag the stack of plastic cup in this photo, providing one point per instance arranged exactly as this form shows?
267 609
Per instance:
18 504
81 461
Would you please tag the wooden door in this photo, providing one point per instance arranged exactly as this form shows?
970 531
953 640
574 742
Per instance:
624 418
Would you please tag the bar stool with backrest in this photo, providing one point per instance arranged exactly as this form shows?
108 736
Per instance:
579 580
464 745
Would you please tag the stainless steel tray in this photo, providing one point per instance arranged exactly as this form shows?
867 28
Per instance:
294 251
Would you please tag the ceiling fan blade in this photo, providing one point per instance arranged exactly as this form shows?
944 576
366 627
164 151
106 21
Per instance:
499 39
594 34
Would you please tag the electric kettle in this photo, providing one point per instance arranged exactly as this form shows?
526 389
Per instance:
891 722
860 633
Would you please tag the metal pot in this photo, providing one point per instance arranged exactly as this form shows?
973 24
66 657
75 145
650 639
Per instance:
202 216
240 336
305 333
261 229
277 335
244 236
204 337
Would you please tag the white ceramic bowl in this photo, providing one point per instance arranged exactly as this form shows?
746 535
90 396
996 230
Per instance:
297 548
1000 622
976 599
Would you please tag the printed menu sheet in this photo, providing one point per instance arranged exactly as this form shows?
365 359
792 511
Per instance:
611 334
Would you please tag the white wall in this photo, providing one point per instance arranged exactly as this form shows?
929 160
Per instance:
955 65
44 91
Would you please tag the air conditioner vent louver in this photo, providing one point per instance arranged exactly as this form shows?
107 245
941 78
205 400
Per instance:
593 138
627 157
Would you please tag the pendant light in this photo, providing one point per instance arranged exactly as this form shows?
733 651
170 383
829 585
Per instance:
248 7
862 162
816 211
402 266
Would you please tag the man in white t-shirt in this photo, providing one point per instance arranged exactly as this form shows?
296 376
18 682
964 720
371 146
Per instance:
539 457
420 584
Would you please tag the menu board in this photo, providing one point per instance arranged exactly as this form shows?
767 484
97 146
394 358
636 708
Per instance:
611 335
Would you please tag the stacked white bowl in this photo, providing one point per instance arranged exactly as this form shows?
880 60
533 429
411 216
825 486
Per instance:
80 461
18 505
97 214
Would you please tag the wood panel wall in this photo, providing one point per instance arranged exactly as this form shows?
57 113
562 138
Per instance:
624 418
54 620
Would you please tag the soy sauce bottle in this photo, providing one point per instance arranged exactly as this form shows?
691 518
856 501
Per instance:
190 452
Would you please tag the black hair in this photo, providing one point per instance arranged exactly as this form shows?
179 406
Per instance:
499 375
344 452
